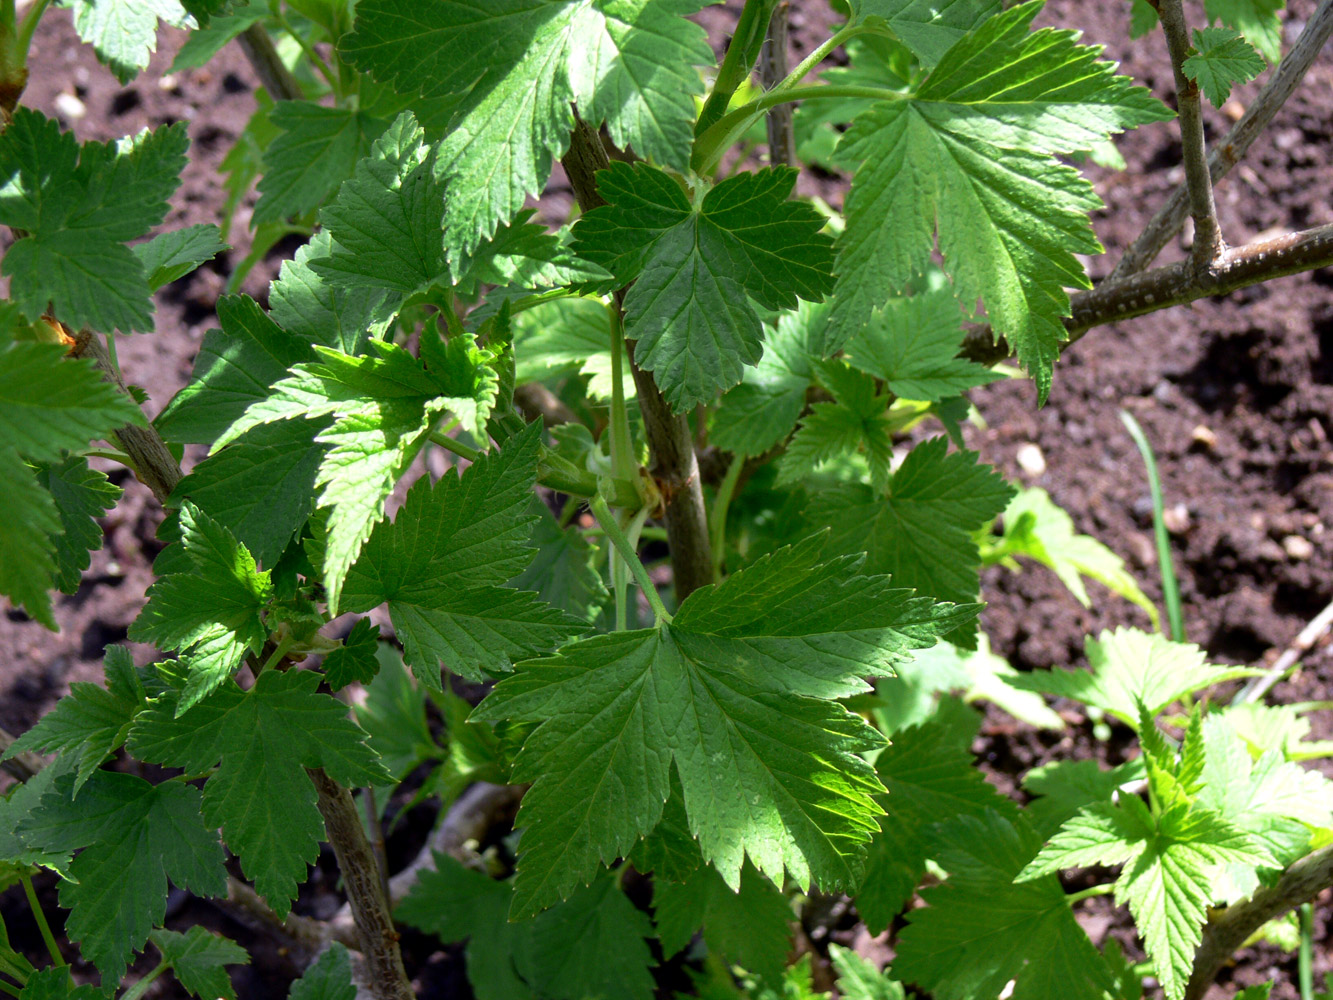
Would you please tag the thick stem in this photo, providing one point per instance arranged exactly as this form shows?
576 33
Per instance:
772 71
1208 244
670 443
21 766
1227 931
365 889
1226 154
1173 285
276 78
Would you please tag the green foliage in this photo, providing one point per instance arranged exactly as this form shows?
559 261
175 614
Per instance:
789 741
1221 58
696 264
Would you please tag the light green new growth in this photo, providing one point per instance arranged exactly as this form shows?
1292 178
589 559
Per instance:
124 32
856 421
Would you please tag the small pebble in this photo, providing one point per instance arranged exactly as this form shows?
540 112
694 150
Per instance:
1177 519
1204 435
1030 459
169 82
1234 110
1298 548
70 107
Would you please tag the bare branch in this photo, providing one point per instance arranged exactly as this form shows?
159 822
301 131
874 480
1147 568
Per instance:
1259 686
247 906
365 890
674 464
1227 931
773 70
1208 243
1226 154
267 64
1175 284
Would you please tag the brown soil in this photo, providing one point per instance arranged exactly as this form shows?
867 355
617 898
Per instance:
1236 396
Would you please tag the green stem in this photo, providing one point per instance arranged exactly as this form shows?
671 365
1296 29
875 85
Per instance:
311 54
28 25
560 474
710 146
1170 586
633 527
622 456
742 51
1305 958
111 456
818 55
1096 890
139 989
457 447
653 534
6 988
111 352
279 651
622 544
718 519
48 938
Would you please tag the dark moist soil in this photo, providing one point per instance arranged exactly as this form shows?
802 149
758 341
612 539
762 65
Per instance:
1236 396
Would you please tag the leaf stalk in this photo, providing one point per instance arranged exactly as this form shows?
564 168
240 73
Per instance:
627 552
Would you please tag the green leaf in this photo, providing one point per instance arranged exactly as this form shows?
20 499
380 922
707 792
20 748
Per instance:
78 206
124 32
912 344
81 495
928 28
1168 880
1257 20
27 554
310 306
1132 668
921 532
131 837
525 255
749 927
441 563
394 716
591 945
261 487
759 413
91 721
981 929
857 419
173 255
734 692
317 149
385 407
385 221
233 370
55 984
211 611
208 40
328 978
858 979
696 266
565 336
562 572
929 776
966 156
263 739
355 659
23 801
1221 58
1034 526
1064 787
198 958
515 71
50 403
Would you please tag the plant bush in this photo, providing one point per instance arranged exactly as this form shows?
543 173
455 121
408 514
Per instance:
710 525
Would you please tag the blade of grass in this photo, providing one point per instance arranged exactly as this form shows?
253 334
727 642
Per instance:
1170 586
1305 969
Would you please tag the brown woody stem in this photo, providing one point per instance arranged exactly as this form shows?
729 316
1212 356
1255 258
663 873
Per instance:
1227 931
273 73
1176 284
772 71
674 464
1226 154
1208 242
